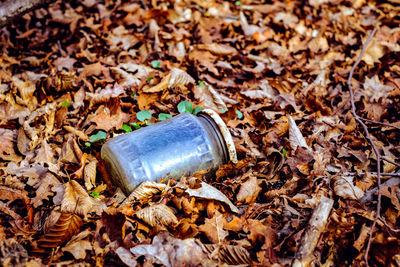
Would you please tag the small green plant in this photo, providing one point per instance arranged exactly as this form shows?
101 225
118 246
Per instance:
185 106
284 152
156 64
197 110
97 137
164 116
65 104
88 144
239 114
136 125
143 115
200 83
238 3
149 79
94 194
126 128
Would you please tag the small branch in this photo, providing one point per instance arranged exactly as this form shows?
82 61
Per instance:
13 9
396 174
314 229
392 182
368 137
391 161
381 123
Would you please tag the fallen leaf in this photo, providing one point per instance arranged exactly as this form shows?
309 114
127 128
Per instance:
210 98
345 188
144 191
158 214
175 78
76 199
105 119
213 228
209 192
249 190
295 136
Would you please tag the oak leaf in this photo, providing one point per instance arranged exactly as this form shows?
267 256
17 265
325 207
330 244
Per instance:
213 228
105 119
249 190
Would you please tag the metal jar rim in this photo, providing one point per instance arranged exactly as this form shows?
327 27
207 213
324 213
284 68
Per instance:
225 133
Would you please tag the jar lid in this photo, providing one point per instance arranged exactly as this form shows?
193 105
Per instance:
225 133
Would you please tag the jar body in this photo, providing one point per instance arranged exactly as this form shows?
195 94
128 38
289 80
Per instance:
179 146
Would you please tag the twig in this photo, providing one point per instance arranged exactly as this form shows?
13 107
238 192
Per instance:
396 174
368 137
381 123
316 226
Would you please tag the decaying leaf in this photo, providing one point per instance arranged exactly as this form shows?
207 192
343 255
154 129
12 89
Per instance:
174 79
7 150
213 228
77 246
209 192
144 191
158 214
209 97
170 251
248 190
89 173
232 255
12 253
130 74
295 136
76 199
344 187
66 226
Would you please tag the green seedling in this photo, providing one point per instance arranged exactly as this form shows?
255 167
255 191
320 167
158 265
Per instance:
239 114
136 125
185 106
143 115
200 83
156 64
65 104
284 152
197 110
164 116
238 3
97 137
94 194
126 128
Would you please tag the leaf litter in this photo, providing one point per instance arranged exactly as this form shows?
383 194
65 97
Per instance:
77 73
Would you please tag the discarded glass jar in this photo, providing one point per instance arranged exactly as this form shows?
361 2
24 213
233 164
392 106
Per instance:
178 146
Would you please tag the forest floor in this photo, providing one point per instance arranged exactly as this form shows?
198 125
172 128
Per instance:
317 182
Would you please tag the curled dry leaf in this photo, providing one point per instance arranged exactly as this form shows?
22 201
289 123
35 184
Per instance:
144 191
295 137
213 228
249 190
7 151
66 226
345 188
217 49
131 74
89 173
209 97
233 255
157 214
76 199
174 79
169 251
209 192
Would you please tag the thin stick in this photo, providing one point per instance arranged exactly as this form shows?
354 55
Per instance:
391 161
396 174
368 137
381 123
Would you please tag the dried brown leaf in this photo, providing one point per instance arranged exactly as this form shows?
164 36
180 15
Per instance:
66 226
249 190
7 150
76 199
158 214
295 136
218 49
209 98
106 120
345 188
213 228
89 174
144 191
209 192
175 78
232 255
